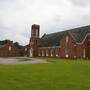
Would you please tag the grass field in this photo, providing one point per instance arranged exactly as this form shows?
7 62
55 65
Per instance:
55 75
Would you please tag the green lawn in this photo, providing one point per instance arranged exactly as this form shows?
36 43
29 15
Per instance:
55 75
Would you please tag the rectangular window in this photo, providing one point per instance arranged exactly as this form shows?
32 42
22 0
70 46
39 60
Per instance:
42 53
38 53
84 53
56 53
46 52
51 52
67 39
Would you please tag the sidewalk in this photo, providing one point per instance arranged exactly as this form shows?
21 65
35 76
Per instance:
17 61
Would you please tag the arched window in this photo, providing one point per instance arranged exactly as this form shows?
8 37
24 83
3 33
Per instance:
46 52
25 49
75 57
84 53
51 52
42 52
56 52
10 48
38 52
31 52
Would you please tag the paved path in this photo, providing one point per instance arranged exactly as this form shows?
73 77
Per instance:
17 61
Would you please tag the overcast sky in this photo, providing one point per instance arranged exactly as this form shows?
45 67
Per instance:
17 16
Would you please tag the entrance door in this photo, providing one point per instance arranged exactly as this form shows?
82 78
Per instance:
31 52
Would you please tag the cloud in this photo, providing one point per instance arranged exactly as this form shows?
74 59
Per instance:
17 16
81 2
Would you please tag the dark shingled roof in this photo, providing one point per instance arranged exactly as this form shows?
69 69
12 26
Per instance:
53 39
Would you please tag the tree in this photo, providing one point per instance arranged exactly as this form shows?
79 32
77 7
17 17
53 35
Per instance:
18 45
5 42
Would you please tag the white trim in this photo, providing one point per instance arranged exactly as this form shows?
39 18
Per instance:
84 39
72 36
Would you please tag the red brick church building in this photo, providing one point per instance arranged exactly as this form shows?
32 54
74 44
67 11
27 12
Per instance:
74 43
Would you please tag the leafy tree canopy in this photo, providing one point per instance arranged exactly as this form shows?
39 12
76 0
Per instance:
9 41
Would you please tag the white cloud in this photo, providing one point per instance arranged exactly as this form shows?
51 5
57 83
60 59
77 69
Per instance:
81 2
17 16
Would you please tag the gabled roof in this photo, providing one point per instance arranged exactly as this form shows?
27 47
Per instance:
53 39
80 33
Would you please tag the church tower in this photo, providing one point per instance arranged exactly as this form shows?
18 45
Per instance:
35 29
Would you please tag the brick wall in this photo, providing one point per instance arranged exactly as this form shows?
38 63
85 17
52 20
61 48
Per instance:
68 48
9 50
